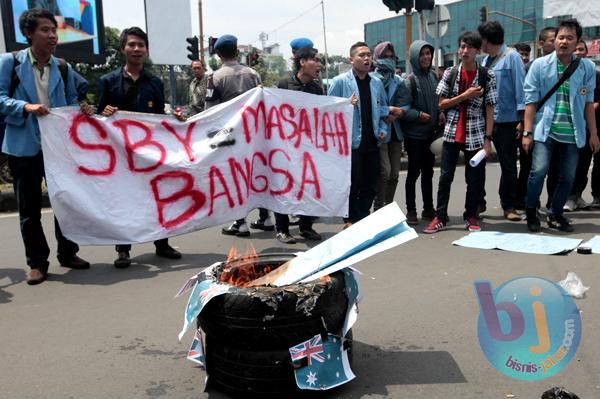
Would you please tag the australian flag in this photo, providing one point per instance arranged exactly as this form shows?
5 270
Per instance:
325 363
196 352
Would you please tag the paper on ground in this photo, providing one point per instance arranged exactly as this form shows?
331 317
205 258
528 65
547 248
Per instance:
519 242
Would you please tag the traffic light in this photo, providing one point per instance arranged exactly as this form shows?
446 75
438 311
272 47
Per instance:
421 5
483 14
193 48
398 5
211 44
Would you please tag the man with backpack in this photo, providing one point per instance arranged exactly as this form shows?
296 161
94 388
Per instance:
419 126
31 82
508 113
465 91
561 86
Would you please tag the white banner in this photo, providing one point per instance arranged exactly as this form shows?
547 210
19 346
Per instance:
140 177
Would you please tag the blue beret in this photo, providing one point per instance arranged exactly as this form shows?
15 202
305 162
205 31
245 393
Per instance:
226 40
301 42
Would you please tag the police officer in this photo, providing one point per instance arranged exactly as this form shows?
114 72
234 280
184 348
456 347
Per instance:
228 82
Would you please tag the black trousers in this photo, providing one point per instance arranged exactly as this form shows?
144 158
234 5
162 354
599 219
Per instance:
162 243
525 159
28 173
474 176
420 162
506 142
282 222
363 181
581 175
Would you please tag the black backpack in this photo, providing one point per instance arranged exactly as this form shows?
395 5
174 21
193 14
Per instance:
14 80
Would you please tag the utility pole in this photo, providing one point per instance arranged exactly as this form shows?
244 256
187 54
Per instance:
201 31
325 43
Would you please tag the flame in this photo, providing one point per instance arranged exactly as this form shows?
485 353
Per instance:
241 269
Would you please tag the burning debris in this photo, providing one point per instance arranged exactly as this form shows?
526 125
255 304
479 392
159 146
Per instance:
276 323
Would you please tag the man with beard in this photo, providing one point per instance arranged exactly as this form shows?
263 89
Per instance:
133 88
307 65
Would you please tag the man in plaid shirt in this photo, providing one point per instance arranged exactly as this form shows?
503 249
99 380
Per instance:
467 129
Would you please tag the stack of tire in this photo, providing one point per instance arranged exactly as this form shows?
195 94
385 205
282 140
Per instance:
248 336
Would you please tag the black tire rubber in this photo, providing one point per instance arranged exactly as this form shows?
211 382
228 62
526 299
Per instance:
237 319
247 373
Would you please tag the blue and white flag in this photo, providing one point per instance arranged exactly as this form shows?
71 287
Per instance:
327 364
196 352
203 292
353 294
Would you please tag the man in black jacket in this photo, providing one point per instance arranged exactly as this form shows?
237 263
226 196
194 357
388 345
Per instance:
307 65
133 88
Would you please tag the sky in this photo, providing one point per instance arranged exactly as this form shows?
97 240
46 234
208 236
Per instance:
246 19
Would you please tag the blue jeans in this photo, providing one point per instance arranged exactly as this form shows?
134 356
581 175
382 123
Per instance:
567 155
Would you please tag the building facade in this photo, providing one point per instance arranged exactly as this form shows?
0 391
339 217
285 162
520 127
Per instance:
465 16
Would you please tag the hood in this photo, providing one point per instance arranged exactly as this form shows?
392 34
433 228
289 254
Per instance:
380 48
415 50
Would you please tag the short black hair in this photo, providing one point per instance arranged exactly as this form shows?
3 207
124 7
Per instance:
523 47
584 44
357 45
571 24
544 32
473 39
28 20
201 63
304 53
227 51
492 31
133 31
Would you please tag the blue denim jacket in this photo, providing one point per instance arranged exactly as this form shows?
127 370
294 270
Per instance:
542 76
392 99
344 85
22 135
510 75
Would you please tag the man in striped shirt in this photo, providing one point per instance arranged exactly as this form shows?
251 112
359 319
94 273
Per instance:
560 124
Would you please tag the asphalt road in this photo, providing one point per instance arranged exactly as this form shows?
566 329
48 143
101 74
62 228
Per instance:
109 333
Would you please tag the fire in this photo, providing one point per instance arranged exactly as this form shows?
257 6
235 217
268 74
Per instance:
241 269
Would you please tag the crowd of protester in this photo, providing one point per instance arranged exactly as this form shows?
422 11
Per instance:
539 114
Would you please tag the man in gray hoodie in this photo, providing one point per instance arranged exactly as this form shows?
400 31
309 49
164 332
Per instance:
419 126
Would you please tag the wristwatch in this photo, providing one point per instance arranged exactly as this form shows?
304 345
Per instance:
526 133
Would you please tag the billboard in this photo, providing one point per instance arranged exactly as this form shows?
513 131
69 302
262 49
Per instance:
80 27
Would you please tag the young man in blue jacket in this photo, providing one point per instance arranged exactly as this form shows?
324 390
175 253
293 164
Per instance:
133 88
367 94
31 82
559 127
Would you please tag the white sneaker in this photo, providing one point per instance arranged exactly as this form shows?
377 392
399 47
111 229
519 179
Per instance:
570 205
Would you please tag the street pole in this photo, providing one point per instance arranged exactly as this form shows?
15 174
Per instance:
408 35
421 24
172 85
437 36
325 43
201 31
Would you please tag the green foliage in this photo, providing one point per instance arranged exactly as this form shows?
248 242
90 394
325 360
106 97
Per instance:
214 63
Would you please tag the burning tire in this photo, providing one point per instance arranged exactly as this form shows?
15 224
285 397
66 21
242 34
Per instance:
243 373
275 318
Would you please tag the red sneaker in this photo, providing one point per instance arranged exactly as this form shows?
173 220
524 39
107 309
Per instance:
472 224
434 226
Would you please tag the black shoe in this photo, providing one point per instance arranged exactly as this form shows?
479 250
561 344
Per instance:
310 234
560 223
294 220
533 221
168 252
74 262
411 218
265 225
236 229
123 260
286 238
